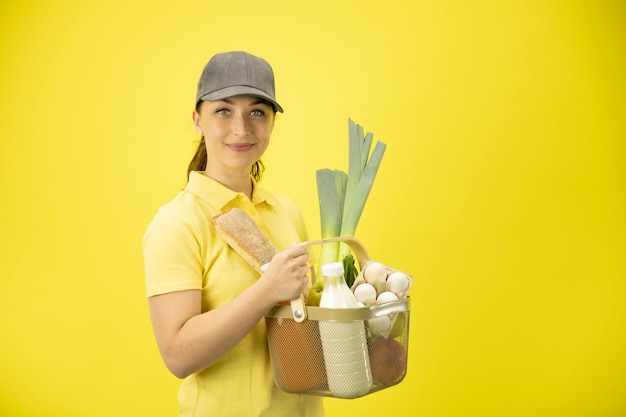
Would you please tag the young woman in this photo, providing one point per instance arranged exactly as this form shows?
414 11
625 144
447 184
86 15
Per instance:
207 304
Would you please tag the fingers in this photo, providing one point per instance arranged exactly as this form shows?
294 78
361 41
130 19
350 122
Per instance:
289 270
298 250
295 252
304 270
293 262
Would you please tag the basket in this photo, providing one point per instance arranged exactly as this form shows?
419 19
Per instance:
296 350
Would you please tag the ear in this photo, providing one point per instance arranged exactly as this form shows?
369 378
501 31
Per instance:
196 122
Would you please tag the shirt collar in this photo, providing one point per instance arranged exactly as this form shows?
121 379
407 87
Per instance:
222 197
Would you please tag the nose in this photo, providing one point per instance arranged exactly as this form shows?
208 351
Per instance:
240 126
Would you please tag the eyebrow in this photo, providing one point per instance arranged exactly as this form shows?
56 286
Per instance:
254 103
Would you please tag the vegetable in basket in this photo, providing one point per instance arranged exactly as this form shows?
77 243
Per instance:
342 196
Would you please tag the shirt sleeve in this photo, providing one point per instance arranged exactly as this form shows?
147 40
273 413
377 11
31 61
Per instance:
172 254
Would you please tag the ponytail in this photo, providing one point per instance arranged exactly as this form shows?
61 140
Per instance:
198 162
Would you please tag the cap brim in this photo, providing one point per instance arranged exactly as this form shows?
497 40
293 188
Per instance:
239 90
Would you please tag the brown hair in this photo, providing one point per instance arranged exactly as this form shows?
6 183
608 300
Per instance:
199 160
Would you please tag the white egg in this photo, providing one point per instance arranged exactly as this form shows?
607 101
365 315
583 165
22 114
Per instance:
378 325
386 297
398 282
365 293
375 272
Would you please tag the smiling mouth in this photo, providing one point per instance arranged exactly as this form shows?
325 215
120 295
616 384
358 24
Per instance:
240 147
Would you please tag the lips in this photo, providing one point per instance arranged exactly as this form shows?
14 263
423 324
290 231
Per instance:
240 147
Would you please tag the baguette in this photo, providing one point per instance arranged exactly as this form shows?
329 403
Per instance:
242 234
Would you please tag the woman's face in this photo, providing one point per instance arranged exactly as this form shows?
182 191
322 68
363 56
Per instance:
236 132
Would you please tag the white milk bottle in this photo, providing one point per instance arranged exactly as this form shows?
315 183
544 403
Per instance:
343 342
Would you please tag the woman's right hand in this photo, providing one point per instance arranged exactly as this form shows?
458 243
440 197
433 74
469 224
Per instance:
287 274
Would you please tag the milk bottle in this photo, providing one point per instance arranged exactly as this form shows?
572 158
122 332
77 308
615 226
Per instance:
343 342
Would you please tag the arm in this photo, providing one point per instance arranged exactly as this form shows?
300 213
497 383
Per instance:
190 340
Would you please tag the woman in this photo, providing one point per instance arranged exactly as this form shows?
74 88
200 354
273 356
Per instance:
207 304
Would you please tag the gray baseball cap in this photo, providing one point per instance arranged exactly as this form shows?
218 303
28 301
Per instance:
237 73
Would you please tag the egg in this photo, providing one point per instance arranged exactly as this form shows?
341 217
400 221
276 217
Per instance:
365 293
386 297
375 272
398 282
378 325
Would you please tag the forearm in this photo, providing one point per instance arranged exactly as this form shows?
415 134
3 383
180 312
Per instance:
190 340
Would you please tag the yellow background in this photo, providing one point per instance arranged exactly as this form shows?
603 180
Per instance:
502 190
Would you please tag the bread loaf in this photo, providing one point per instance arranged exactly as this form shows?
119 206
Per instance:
238 229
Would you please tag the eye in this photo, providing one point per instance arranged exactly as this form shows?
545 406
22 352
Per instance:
222 112
257 112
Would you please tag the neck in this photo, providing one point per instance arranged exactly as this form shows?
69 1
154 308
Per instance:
238 183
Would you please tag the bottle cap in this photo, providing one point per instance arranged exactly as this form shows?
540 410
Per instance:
332 269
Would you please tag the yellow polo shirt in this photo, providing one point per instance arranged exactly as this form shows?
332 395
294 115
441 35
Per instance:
182 251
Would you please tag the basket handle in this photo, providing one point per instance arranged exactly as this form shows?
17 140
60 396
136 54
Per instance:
355 244
298 306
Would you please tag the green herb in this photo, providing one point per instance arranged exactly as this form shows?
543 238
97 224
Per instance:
350 271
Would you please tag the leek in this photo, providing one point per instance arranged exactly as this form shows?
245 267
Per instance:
331 186
342 196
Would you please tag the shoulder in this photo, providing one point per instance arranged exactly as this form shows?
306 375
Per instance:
285 203
286 206
184 215
186 206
